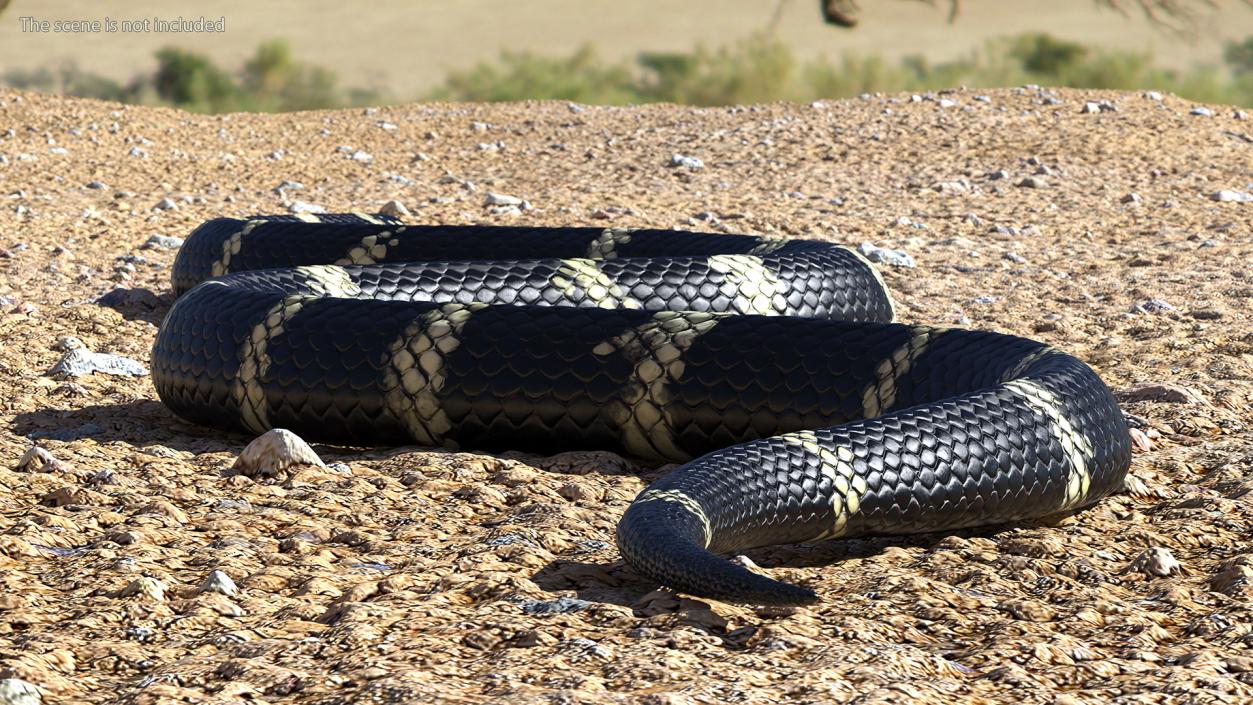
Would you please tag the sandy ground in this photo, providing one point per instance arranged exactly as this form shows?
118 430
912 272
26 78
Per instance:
410 575
408 46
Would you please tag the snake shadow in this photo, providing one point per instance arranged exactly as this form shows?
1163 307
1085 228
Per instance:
616 583
138 304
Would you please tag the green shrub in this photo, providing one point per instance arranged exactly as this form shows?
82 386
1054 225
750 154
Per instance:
758 68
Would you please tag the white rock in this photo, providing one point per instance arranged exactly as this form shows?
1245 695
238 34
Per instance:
1152 95
895 258
219 582
395 209
1229 195
501 199
684 160
1156 561
298 207
166 204
15 691
362 156
1131 198
274 451
37 459
1201 110
145 587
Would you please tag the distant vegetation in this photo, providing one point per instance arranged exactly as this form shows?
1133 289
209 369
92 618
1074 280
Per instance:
757 69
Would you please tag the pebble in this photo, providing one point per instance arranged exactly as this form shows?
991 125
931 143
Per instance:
1015 257
362 156
1032 182
37 459
146 587
561 605
501 199
883 255
386 126
1202 111
1156 561
298 207
395 209
1152 306
288 186
137 152
274 451
165 242
219 582
684 160
1103 106
983 99
166 204
15 691
1231 196
96 185
1131 198
81 361
998 175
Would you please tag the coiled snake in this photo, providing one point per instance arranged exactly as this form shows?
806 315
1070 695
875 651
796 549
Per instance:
771 362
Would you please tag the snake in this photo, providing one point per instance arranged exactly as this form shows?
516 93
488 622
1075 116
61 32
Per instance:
769 371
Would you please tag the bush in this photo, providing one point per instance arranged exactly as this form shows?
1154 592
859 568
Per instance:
759 68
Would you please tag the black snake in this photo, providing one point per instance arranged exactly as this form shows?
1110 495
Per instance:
771 362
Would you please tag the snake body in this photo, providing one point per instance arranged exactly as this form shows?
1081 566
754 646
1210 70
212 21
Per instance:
769 367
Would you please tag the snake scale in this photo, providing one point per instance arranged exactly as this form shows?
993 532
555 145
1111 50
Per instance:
770 368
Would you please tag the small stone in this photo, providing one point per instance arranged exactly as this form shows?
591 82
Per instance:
946 103
1202 111
1156 561
1152 95
96 185
81 361
579 492
288 186
219 582
145 587
1231 196
950 187
166 204
1103 106
362 156
386 126
1032 182
137 152
15 691
1015 257
274 451
479 126
973 219
575 108
998 175
894 258
677 160
298 207
37 459
1152 306
1161 392
395 209
164 242
501 199
983 99
561 605
1131 198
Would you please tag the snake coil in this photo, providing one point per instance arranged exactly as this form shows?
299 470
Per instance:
770 367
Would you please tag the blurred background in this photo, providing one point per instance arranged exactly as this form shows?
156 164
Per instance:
300 54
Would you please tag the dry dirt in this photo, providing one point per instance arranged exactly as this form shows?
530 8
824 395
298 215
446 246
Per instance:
406 575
